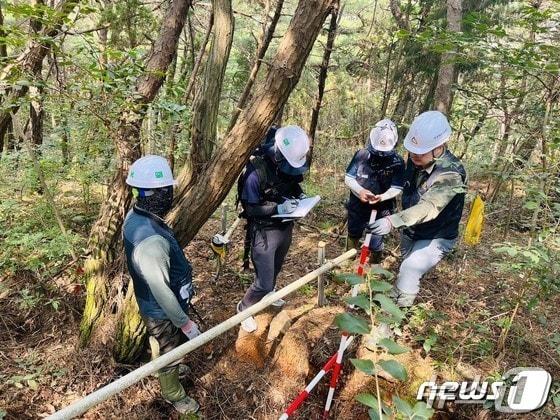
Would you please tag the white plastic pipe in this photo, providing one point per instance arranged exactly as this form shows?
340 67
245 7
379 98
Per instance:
232 228
102 394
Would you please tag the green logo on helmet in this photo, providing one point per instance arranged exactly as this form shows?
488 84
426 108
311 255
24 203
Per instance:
159 174
286 142
132 174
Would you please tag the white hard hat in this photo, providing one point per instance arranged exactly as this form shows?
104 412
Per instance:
428 131
293 143
150 172
384 136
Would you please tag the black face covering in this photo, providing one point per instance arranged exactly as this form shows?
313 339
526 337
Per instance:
159 203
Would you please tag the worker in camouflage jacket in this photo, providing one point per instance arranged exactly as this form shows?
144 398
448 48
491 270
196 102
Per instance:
433 199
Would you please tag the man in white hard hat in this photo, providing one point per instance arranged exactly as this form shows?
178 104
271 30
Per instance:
269 185
161 274
433 199
375 178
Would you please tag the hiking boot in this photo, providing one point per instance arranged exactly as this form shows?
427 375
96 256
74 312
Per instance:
249 325
186 405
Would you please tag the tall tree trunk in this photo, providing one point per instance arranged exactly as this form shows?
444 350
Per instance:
444 93
263 46
30 61
3 56
322 78
207 101
199 194
105 233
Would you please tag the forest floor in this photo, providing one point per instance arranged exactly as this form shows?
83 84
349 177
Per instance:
464 306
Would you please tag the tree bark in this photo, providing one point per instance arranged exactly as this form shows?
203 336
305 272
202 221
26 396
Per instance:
263 47
207 101
444 94
105 233
322 78
398 14
29 62
199 194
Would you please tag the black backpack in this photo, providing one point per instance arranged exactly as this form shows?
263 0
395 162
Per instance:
259 152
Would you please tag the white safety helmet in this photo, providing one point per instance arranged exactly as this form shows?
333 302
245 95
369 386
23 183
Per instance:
293 143
428 131
384 136
150 172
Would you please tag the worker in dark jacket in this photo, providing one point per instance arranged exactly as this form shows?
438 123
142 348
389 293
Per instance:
161 274
375 178
433 198
270 186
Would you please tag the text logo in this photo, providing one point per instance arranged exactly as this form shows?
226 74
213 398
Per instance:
521 390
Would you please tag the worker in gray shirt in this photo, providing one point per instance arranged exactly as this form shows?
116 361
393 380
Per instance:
161 274
433 198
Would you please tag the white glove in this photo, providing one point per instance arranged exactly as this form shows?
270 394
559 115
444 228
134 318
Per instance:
190 329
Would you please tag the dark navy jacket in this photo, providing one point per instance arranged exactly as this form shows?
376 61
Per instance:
141 226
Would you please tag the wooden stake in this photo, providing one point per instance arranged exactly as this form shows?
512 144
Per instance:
321 301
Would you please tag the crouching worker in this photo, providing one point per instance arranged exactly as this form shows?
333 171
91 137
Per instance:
268 186
433 199
161 274
375 178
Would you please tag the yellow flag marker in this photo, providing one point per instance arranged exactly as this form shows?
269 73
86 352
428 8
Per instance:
475 222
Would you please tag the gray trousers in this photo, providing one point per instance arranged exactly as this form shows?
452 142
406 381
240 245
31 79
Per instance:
268 250
419 257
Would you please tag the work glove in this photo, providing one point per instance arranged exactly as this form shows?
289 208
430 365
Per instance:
287 207
382 226
190 329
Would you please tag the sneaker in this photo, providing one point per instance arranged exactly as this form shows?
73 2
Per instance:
277 303
249 325
186 405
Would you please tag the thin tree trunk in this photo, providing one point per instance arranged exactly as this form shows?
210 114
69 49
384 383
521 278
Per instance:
322 78
199 194
105 233
198 61
177 126
405 96
444 93
479 123
31 142
263 47
207 101
30 61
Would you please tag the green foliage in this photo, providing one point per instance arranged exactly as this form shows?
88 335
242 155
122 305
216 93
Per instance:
392 347
394 368
351 324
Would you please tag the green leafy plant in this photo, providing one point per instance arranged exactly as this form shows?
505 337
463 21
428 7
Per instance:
380 308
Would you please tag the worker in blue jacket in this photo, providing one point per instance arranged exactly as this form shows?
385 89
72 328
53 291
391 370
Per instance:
375 179
161 274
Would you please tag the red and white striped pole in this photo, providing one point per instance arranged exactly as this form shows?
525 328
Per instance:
305 393
363 255
336 373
